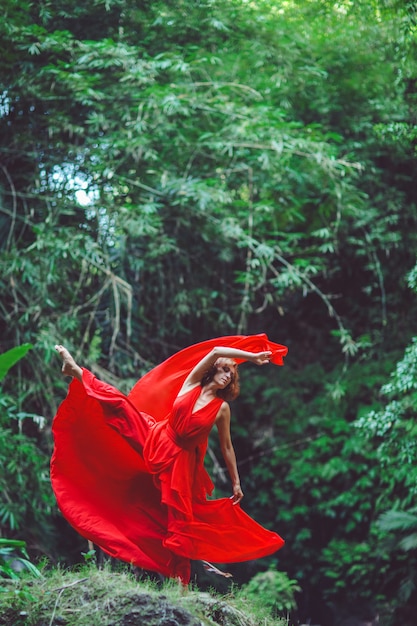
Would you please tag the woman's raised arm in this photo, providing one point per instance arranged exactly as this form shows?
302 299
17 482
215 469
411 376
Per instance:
197 373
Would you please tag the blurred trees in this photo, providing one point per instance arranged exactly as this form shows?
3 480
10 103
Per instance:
173 171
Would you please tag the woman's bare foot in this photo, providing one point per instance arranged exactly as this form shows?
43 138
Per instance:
69 366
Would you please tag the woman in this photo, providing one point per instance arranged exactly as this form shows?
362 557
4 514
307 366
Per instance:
128 471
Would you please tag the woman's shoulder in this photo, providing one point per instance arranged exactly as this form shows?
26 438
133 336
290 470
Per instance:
224 410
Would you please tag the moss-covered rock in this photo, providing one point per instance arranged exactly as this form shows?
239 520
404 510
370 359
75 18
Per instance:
94 597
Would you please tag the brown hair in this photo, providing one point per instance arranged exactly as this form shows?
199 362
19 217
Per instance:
232 390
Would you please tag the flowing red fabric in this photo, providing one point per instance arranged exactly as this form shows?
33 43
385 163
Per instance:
128 471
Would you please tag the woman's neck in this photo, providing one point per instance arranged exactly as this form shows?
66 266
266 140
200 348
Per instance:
209 390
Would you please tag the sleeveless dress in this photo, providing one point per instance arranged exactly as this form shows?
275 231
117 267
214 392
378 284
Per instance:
135 484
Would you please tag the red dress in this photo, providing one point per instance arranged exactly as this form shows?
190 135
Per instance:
136 485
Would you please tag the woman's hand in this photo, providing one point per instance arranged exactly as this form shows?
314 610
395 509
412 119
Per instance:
261 358
237 494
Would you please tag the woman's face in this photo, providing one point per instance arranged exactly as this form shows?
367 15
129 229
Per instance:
224 372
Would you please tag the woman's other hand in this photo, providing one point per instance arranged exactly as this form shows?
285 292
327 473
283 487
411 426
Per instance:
237 494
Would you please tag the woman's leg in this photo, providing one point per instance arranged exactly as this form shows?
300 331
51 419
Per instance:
116 409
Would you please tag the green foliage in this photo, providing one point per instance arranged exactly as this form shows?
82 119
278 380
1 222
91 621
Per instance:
392 427
273 590
392 431
398 544
10 563
25 498
347 566
403 521
26 501
255 181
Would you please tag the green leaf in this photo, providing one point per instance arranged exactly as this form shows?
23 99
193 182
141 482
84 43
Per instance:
9 358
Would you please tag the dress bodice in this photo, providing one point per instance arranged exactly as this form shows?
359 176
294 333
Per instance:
192 427
185 431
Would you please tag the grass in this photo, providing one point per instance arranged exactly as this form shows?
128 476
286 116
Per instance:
87 596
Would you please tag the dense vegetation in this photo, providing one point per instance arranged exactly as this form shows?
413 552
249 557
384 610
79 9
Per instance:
174 171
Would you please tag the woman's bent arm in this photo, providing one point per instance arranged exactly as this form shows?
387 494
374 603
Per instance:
228 452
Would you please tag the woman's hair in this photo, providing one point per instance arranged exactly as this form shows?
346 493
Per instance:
233 388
